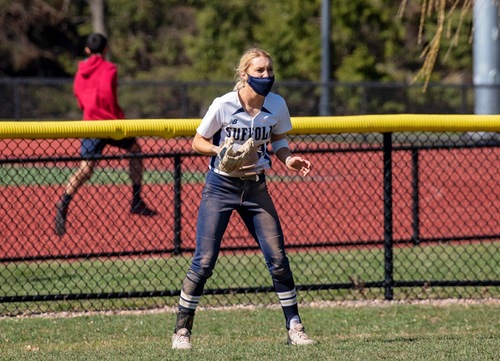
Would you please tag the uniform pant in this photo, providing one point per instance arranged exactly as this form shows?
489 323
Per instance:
250 198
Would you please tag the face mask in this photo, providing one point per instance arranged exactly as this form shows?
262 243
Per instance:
261 86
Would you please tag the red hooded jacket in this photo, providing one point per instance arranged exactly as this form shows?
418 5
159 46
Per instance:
95 86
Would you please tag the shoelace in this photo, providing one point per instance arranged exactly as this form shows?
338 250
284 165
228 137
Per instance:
182 338
301 333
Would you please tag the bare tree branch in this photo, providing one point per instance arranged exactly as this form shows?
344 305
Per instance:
437 8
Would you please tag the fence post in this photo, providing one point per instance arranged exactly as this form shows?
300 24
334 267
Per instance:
177 204
17 101
415 205
388 255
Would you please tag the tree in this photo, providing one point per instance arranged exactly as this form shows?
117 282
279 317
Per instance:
98 11
36 38
149 37
372 40
448 24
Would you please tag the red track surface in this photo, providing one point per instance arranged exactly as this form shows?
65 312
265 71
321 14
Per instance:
341 200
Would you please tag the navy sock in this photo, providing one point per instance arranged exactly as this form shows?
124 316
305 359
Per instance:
136 193
65 200
288 298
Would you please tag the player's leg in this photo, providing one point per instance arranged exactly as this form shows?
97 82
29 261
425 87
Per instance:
82 175
138 206
261 218
213 217
89 148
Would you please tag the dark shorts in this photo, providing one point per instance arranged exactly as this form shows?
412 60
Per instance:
94 146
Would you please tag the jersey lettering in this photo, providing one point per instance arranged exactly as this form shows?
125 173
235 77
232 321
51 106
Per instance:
259 133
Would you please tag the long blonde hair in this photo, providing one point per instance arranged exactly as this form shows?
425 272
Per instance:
245 61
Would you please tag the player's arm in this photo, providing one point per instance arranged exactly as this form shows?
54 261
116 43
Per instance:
204 145
282 152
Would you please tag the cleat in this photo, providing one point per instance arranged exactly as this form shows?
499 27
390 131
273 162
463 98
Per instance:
181 339
60 224
297 336
140 208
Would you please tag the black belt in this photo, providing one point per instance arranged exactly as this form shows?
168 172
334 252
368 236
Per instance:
251 177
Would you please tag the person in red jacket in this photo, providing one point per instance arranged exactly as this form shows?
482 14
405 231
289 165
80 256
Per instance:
95 88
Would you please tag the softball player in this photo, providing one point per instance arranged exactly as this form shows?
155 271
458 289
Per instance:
250 111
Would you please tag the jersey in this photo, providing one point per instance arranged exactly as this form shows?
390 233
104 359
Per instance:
226 118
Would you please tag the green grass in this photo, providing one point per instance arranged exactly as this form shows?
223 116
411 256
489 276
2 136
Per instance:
476 261
11 175
456 331
249 270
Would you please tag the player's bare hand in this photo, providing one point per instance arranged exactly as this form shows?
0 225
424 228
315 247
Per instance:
299 164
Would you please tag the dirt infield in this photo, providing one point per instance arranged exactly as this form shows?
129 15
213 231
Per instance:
322 304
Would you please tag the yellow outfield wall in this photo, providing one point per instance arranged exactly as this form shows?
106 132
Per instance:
169 128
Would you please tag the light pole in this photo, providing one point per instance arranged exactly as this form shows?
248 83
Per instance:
324 101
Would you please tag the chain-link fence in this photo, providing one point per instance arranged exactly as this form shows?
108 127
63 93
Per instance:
25 98
381 216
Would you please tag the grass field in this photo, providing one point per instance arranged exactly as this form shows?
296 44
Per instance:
442 330
361 330
249 270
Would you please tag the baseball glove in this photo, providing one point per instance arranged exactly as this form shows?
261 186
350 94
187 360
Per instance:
231 160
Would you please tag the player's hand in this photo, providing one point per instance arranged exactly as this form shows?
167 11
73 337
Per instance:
299 164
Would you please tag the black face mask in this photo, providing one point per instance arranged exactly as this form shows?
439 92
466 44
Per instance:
261 86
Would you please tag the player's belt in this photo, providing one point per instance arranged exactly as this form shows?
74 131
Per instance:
252 177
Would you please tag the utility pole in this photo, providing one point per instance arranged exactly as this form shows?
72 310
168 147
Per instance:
486 57
486 64
324 101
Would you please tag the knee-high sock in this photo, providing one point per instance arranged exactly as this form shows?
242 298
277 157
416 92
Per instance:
65 200
288 299
192 289
136 193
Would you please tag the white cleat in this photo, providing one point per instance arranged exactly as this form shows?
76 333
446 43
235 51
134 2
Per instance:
297 336
181 339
